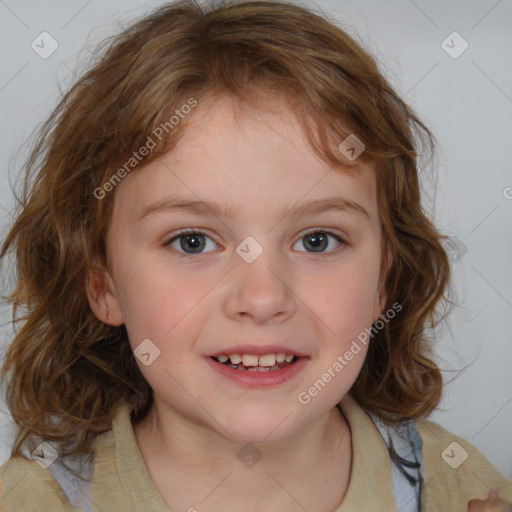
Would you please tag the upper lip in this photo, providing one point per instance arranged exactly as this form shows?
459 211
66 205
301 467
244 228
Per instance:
258 350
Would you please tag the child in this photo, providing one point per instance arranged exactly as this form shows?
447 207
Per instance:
279 362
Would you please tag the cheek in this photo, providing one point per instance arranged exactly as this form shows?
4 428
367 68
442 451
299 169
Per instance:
343 298
160 302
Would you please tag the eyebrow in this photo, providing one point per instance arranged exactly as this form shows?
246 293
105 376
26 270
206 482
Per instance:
183 204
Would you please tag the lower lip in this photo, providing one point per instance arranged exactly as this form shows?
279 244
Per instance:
259 379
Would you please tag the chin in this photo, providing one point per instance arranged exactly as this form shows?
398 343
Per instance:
257 428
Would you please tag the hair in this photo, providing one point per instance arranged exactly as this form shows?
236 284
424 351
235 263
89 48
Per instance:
65 370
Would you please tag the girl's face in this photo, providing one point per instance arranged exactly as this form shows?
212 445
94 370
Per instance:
304 283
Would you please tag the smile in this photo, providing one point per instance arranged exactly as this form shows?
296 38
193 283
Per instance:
259 373
255 363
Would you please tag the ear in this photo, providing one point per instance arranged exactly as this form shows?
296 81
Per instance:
102 296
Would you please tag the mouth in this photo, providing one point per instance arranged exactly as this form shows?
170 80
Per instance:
255 366
257 363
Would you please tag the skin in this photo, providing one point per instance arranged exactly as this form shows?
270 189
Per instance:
314 302
491 504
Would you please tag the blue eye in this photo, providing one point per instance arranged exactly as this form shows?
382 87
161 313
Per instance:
190 239
193 242
317 240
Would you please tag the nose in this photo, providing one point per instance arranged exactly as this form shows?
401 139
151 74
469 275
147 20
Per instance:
260 291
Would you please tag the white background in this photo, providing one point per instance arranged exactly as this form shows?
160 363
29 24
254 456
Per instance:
467 101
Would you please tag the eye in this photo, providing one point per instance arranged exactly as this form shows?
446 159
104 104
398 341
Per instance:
190 242
190 239
317 240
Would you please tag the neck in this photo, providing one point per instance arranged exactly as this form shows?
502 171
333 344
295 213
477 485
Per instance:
187 460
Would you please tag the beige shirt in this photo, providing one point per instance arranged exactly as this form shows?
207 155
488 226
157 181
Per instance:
122 483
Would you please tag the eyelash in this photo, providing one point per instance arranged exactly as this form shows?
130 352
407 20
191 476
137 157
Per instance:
189 231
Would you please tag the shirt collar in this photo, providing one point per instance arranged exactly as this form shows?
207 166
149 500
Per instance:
370 485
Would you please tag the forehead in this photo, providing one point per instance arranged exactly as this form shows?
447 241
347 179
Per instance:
247 159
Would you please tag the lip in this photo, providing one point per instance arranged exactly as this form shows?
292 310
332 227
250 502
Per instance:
258 350
259 379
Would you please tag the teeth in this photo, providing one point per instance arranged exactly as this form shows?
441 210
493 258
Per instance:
257 369
249 360
280 358
265 362
235 358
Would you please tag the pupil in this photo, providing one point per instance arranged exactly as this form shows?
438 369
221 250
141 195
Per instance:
316 241
194 240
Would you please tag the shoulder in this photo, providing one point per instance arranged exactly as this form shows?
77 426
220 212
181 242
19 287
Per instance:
456 471
27 486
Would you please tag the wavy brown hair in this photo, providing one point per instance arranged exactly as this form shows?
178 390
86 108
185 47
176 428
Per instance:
65 371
